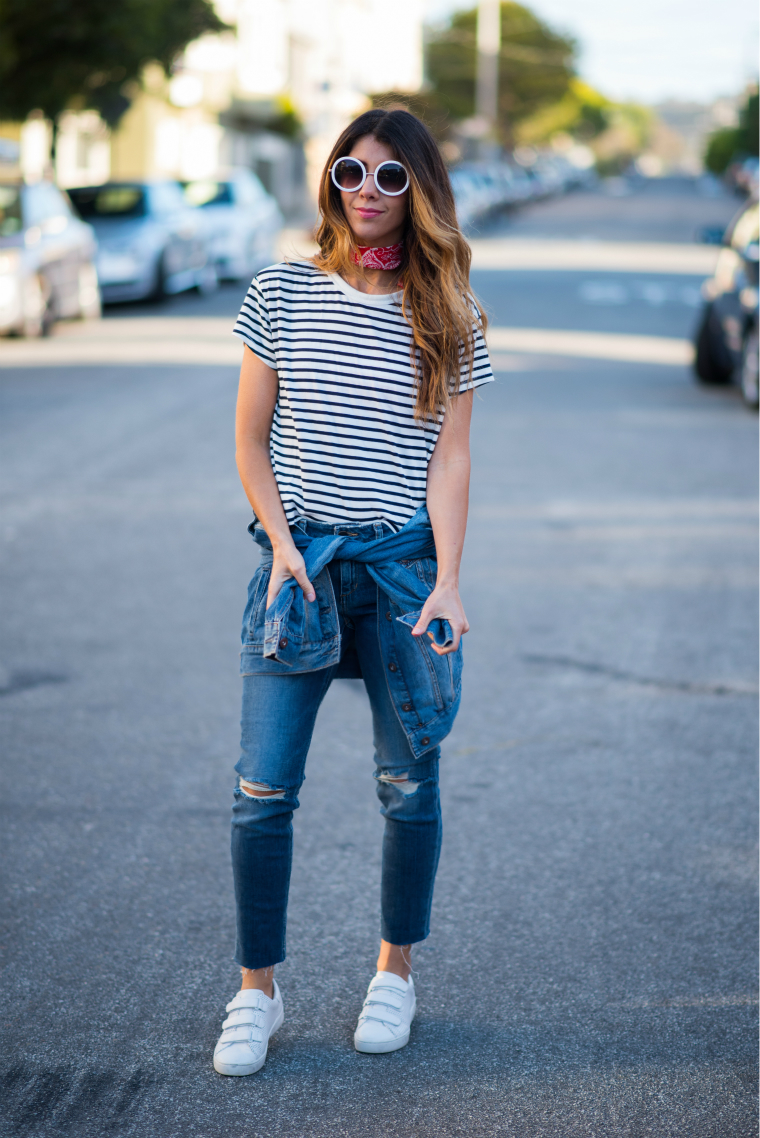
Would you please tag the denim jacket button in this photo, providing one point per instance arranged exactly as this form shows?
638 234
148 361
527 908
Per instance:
284 642
424 742
392 668
387 616
406 707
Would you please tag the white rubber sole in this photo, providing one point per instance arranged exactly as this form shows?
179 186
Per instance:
248 1068
389 1045
382 1048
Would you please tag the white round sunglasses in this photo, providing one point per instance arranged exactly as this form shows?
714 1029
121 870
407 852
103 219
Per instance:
350 174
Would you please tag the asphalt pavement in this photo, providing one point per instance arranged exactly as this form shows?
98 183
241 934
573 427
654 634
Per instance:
591 972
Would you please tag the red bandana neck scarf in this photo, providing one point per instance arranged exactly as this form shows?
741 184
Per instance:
384 257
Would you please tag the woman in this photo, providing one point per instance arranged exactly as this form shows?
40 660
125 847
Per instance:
352 445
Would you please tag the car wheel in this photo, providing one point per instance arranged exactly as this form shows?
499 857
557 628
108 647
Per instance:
208 280
708 367
158 292
89 292
36 315
748 376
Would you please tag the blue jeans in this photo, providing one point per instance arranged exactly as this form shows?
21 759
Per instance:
279 713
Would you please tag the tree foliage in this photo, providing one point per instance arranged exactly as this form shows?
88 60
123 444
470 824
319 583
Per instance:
535 65
55 54
733 143
581 112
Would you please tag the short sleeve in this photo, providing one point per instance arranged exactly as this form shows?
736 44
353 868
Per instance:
481 365
254 327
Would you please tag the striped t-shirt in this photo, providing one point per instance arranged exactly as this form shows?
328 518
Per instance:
345 446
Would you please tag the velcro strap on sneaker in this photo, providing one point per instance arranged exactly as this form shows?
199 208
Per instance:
249 998
390 996
381 1013
241 1033
252 1016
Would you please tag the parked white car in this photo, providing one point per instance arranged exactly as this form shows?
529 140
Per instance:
241 222
47 260
150 243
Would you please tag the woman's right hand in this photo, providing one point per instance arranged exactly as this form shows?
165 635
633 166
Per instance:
287 563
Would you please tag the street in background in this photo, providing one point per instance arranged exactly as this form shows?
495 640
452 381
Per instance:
592 966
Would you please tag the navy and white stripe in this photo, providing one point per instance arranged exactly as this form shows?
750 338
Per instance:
345 446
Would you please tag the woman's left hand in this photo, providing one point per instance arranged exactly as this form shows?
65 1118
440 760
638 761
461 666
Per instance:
443 603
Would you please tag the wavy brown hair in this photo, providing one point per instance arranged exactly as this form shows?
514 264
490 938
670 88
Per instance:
437 302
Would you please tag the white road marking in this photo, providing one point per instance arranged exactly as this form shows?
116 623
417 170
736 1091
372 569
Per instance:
208 340
593 345
610 256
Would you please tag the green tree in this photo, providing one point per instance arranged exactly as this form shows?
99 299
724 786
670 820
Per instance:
56 54
749 124
535 66
581 112
732 143
722 146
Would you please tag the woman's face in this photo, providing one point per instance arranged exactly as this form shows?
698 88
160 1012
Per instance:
374 218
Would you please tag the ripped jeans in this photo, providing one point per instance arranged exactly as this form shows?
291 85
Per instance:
279 713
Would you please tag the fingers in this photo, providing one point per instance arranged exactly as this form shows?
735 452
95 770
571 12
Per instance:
286 573
305 583
458 631
425 617
459 625
276 581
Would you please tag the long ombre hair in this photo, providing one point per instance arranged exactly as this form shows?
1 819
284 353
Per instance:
437 302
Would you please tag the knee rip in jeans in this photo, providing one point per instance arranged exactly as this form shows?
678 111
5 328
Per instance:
402 782
260 790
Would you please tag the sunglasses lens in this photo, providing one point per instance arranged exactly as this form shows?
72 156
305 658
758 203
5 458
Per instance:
392 178
348 174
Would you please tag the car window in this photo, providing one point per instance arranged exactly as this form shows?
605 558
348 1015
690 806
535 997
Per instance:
98 202
249 189
43 202
10 210
209 193
166 197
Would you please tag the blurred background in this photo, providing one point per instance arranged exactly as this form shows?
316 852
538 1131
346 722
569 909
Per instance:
592 968
267 84
188 138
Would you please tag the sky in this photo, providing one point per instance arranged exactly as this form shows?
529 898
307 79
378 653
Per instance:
651 50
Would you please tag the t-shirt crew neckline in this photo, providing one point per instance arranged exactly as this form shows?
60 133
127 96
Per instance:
381 298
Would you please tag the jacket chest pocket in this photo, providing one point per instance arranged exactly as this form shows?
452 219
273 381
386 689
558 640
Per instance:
426 569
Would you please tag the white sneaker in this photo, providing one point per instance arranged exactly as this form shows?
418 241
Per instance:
387 1014
253 1018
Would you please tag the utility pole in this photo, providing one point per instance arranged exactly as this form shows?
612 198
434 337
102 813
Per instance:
489 46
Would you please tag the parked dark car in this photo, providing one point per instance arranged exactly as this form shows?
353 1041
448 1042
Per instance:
47 260
727 335
150 241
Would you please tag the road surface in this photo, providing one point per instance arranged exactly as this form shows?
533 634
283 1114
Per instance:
591 970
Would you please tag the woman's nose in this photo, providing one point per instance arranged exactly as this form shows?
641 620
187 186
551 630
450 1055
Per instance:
369 189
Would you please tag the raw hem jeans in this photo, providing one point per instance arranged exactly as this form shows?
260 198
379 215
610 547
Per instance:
279 713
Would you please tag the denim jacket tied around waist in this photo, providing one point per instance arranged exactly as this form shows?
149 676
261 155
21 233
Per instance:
294 635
